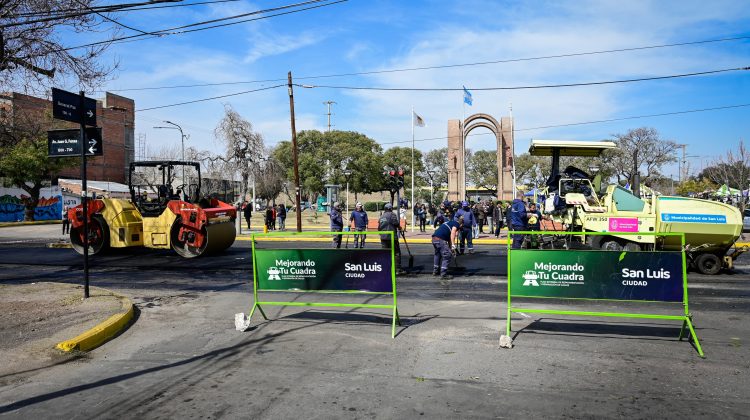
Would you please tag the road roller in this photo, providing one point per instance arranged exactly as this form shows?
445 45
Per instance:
158 214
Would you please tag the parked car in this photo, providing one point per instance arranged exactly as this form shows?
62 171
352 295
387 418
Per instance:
746 221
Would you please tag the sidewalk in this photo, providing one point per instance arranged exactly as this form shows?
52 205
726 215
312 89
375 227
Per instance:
34 317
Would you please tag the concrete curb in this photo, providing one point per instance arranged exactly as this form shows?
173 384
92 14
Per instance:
102 332
37 222
408 240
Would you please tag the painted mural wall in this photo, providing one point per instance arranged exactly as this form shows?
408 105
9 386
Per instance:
12 204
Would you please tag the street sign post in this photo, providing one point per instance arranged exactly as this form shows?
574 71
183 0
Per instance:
64 143
88 142
66 106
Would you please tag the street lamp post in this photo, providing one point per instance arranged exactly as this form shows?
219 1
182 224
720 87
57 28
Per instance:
347 174
182 144
429 175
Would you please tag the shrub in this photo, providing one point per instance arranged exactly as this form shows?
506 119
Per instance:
374 205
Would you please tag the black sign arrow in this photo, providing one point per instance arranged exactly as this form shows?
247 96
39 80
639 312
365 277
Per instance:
67 106
63 143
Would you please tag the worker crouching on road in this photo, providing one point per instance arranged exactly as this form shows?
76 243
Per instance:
444 242
389 222
337 224
466 229
359 217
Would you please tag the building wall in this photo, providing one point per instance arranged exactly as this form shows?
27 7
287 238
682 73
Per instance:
114 114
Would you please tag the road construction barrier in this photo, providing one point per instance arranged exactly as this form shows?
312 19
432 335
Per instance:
362 271
643 276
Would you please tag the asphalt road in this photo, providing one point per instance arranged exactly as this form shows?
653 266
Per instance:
183 358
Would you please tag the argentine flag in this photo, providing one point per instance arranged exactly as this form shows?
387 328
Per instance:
467 96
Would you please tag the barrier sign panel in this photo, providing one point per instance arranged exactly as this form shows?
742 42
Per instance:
324 269
650 276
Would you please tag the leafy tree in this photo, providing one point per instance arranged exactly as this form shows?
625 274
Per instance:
482 170
401 157
436 161
696 186
532 170
27 166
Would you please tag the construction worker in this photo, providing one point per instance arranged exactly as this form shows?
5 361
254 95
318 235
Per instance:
337 223
466 229
389 222
359 217
444 242
517 219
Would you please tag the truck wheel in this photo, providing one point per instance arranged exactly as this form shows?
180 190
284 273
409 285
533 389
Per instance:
632 247
708 264
611 245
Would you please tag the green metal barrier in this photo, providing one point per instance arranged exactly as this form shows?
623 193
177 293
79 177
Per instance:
348 271
593 275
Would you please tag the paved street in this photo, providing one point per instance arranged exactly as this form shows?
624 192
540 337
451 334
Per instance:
183 357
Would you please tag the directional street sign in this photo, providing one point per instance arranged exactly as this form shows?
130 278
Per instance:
64 143
66 106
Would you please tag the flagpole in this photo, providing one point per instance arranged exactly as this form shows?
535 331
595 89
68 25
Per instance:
412 169
463 146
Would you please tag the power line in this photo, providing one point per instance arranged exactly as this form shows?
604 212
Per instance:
209 99
459 89
608 82
84 12
176 30
105 17
588 122
137 7
481 63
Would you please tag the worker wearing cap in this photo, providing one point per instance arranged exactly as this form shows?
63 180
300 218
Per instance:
337 224
389 222
444 242
359 217
469 223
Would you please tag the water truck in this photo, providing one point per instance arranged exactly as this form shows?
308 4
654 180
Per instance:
711 228
157 215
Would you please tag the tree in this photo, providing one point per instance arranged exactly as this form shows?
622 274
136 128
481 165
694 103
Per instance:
269 180
311 167
401 157
27 166
482 170
436 161
323 158
695 186
640 151
32 55
532 170
733 169
244 147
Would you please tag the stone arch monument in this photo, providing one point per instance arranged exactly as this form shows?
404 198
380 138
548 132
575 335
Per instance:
457 133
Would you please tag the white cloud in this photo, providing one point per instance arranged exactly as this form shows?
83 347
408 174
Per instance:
262 45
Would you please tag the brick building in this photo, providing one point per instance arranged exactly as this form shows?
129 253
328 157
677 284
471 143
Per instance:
114 114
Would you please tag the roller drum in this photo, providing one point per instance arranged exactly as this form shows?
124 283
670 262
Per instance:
98 236
218 237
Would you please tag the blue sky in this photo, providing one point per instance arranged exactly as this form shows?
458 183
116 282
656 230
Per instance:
366 35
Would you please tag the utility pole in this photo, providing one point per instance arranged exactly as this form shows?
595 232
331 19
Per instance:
297 197
329 103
